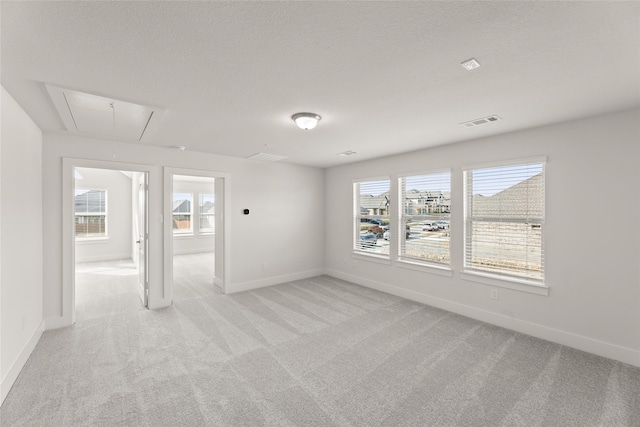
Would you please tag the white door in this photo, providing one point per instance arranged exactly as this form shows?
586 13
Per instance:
143 237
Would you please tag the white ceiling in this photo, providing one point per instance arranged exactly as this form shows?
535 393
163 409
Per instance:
385 76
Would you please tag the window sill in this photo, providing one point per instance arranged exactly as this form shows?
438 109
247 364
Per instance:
503 282
379 259
92 239
183 235
426 268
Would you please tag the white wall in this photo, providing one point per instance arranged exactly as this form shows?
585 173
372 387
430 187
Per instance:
196 242
118 243
21 229
592 234
286 203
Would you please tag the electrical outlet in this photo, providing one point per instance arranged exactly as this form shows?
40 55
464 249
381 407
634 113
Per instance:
494 294
24 322
265 265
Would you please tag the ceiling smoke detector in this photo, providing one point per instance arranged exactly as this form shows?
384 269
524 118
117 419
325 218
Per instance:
482 121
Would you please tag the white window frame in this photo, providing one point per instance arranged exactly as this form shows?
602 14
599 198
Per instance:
421 217
501 278
357 246
189 231
105 236
205 230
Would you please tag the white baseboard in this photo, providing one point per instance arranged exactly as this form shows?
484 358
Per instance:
270 281
217 282
18 364
56 322
580 342
191 251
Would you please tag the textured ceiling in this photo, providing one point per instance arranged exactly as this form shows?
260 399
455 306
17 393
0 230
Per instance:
385 76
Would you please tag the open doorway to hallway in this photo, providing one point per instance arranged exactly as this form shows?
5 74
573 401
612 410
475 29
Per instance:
110 228
194 234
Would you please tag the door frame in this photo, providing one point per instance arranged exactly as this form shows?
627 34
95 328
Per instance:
142 233
68 222
222 215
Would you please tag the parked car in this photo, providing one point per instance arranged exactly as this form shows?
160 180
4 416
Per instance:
368 240
377 230
429 226
375 221
386 233
442 225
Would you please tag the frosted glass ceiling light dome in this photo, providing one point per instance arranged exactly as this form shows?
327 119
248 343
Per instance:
306 121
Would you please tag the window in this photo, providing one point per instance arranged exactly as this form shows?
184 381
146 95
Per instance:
182 213
425 207
371 216
504 220
90 213
207 218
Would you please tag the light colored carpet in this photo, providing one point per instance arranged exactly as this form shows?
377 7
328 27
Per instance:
193 276
317 352
106 288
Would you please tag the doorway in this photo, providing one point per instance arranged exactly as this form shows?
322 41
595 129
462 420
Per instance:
110 242
193 232
195 209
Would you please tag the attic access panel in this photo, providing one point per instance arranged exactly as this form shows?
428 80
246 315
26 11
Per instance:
107 117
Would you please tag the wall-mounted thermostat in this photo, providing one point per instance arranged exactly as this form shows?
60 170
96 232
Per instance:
246 211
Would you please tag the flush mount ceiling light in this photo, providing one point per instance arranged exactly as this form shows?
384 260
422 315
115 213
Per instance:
470 64
306 121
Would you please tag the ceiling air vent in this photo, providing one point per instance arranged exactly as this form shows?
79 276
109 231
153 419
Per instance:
347 153
266 157
481 121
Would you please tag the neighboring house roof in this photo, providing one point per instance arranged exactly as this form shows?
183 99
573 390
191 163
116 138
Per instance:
91 201
367 201
525 199
207 208
181 206
429 196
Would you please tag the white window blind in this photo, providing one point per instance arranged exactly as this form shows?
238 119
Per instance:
207 213
504 220
425 208
90 213
182 213
371 216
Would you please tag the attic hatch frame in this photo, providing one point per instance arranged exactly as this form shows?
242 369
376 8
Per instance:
107 117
